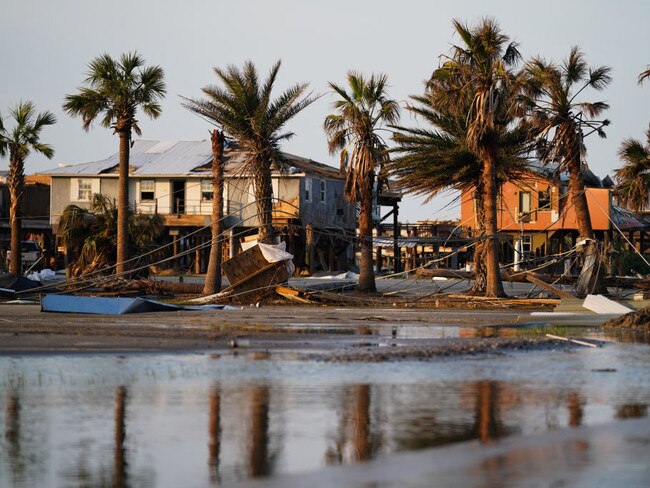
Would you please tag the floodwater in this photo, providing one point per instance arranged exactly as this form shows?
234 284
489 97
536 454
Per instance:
196 420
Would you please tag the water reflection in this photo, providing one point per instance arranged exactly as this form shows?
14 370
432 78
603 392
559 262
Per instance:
121 427
632 411
258 444
12 434
575 406
214 434
120 451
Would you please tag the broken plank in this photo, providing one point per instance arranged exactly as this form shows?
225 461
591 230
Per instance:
548 287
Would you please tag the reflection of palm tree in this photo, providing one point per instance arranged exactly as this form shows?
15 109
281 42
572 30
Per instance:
354 428
119 476
575 405
258 453
487 425
360 423
214 432
12 431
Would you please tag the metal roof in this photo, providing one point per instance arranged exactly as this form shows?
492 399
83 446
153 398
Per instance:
169 157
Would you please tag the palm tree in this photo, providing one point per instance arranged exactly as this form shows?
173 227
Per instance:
244 109
213 276
115 90
644 75
481 82
19 143
563 121
354 130
436 158
633 179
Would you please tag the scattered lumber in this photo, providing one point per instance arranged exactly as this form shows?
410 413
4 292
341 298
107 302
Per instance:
575 341
506 301
294 295
547 286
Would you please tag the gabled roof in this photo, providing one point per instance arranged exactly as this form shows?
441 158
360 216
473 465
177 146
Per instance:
176 158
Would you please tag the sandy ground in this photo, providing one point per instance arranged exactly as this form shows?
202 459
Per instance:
300 331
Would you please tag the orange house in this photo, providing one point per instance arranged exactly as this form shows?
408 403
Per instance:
536 216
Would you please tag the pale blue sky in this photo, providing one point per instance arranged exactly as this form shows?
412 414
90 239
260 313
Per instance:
46 46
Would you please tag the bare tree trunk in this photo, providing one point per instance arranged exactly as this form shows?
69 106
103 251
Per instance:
263 197
213 276
494 284
123 201
591 276
366 272
16 188
479 285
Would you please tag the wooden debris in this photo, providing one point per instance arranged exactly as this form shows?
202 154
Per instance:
293 294
575 341
547 286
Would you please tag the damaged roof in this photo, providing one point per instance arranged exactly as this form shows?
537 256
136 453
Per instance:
170 157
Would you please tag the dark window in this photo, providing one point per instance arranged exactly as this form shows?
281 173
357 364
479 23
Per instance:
544 200
147 190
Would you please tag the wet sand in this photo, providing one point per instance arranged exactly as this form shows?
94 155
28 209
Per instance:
323 333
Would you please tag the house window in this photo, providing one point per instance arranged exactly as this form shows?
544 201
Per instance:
322 191
147 190
84 190
308 189
526 244
206 190
524 206
544 200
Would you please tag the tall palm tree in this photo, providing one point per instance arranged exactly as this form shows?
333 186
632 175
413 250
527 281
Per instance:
213 276
19 142
563 120
481 80
435 158
354 130
244 109
633 179
116 89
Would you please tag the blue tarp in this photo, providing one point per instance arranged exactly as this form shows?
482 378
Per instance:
112 306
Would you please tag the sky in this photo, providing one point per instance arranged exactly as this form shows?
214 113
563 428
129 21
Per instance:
47 45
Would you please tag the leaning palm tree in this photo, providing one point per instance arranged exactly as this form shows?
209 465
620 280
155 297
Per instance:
116 89
354 130
480 76
563 121
244 109
436 157
19 143
633 179
213 276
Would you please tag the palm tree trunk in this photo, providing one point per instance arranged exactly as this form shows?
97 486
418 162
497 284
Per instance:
480 269
592 273
494 284
366 272
16 187
123 201
263 197
213 276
